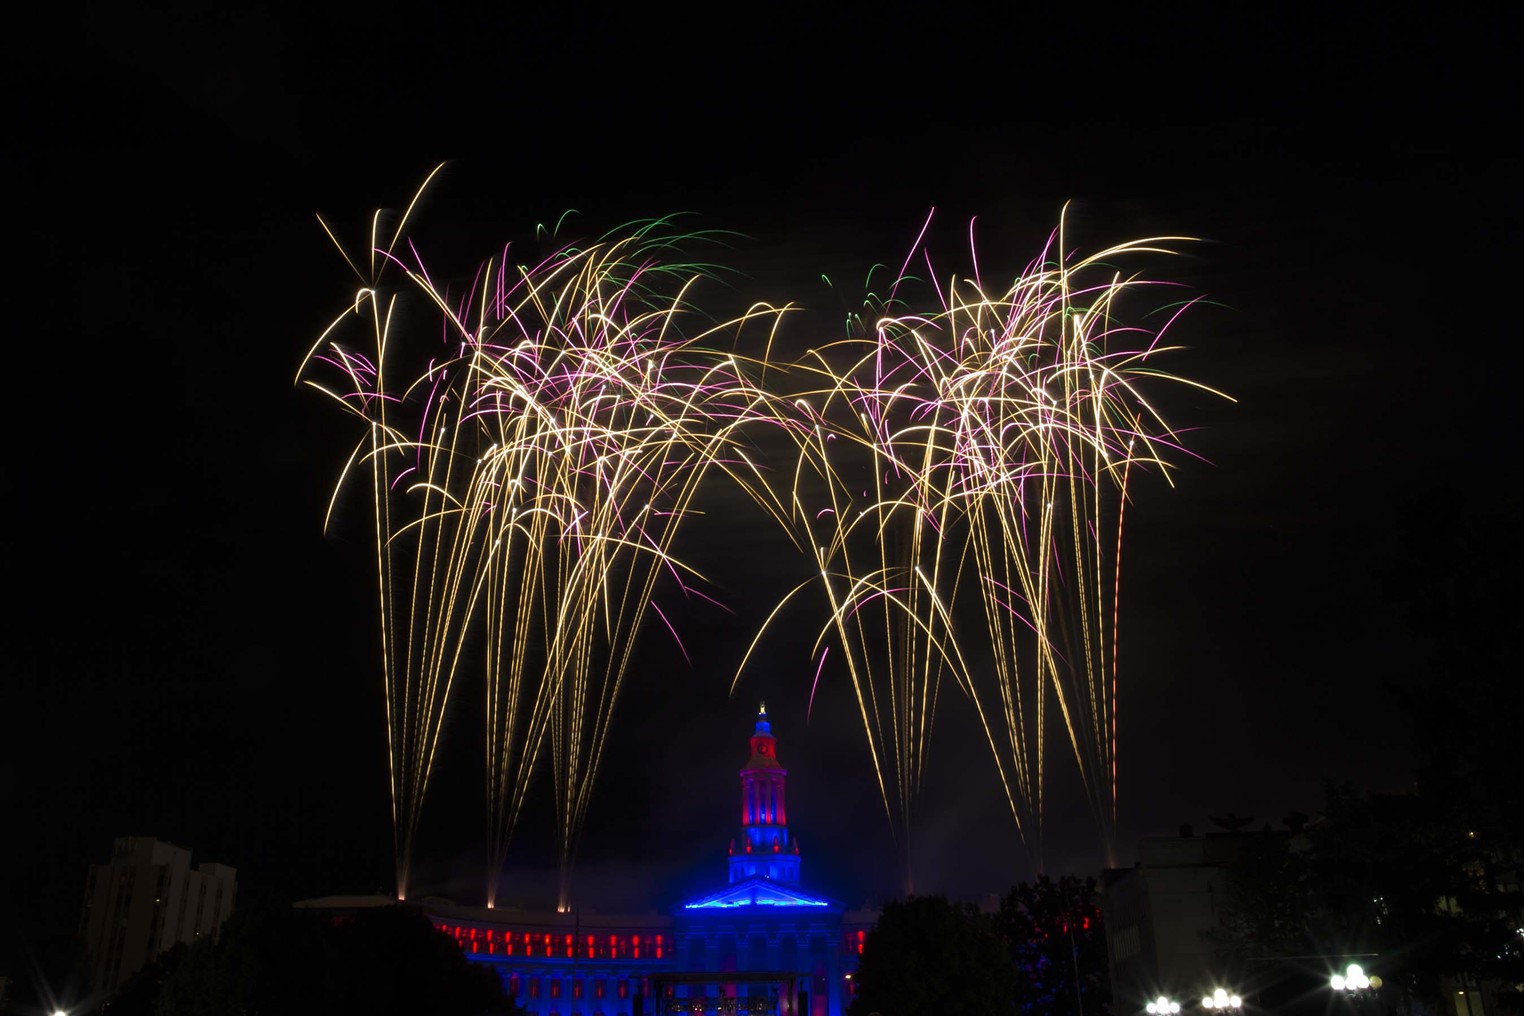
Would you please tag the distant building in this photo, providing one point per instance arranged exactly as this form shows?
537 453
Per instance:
1157 914
759 945
146 900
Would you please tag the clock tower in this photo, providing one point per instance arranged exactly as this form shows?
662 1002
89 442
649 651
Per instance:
765 849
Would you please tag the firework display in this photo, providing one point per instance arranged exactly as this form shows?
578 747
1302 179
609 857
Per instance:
531 475
953 474
961 475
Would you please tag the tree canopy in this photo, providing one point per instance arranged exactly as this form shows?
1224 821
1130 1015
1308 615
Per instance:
1399 878
931 957
385 962
1054 933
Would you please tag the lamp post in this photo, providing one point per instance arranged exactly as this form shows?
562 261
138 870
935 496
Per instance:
1221 1000
1353 984
1162 1006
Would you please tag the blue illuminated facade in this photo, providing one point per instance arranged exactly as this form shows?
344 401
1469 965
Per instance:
759 946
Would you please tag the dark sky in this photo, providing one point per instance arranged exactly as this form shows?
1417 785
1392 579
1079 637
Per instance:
189 656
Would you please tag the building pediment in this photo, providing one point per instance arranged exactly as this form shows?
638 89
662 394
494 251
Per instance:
759 892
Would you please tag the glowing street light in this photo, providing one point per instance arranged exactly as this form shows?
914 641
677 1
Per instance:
1221 1001
1162 1006
1353 983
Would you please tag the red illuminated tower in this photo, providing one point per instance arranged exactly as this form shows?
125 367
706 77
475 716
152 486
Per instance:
765 850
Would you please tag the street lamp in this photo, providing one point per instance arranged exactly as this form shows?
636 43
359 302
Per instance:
1162 1006
1220 1001
1353 983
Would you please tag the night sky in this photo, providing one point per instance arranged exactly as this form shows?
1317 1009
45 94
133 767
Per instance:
189 656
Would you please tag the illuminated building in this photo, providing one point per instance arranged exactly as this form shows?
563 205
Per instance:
761 944
146 900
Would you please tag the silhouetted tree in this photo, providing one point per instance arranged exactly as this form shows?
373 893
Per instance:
1058 946
930 957
1272 905
1406 877
140 995
1394 876
385 962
